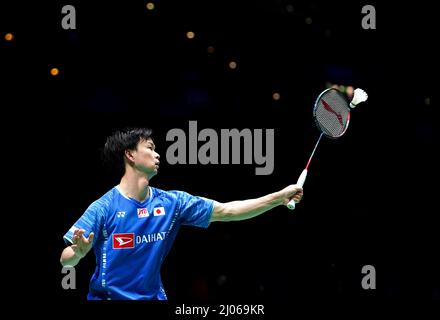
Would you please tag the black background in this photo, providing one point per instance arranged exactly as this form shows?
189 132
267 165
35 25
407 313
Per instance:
369 198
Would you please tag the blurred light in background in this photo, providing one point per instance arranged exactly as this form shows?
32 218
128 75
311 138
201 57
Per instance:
221 279
309 20
348 90
232 65
276 96
210 49
190 35
428 101
54 71
150 6
9 37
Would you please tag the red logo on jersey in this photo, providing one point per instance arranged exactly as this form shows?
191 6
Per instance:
142 212
123 240
160 211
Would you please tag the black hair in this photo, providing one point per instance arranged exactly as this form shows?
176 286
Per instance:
118 142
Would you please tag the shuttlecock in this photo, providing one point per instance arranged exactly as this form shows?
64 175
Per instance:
358 97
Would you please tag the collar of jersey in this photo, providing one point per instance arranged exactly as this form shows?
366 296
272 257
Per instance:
134 200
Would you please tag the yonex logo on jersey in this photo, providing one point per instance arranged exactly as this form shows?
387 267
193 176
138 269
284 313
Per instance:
120 214
123 240
159 211
142 212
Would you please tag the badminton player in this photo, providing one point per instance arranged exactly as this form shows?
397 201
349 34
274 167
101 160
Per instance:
132 227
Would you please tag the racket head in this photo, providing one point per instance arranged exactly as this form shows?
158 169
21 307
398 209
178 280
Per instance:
332 113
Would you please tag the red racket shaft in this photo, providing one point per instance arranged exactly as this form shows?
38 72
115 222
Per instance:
303 176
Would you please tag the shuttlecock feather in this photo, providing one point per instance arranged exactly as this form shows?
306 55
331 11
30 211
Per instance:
358 97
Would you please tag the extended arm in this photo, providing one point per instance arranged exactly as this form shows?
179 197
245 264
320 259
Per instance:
246 209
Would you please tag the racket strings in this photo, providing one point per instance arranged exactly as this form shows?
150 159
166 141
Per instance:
332 114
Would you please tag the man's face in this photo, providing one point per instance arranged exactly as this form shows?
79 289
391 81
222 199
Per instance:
145 158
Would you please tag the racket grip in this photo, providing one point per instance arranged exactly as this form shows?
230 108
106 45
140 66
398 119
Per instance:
300 182
302 178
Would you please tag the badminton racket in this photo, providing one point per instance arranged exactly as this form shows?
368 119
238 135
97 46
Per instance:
332 116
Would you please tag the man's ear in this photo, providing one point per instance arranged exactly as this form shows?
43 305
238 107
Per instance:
129 154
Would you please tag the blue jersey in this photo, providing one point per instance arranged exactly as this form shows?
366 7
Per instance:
132 239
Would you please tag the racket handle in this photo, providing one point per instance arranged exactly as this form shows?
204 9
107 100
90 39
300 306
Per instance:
300 182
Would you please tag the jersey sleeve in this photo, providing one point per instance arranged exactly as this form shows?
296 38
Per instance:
92 220
195 211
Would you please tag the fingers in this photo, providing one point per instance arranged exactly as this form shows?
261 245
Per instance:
296 199
81 232
75 236
297 190
90 238
298 196
292 192
78 234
